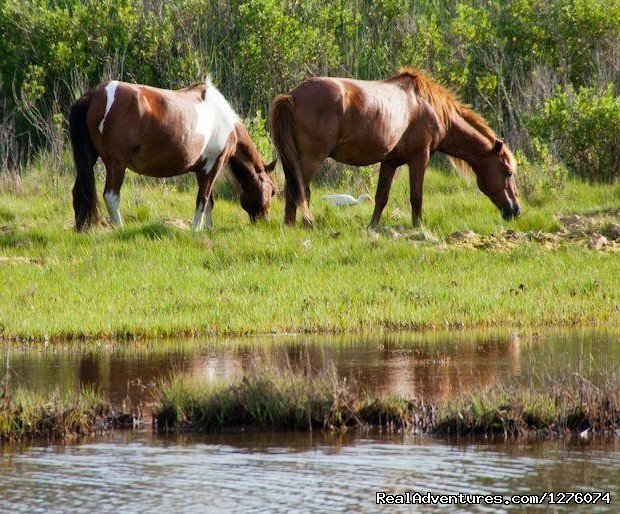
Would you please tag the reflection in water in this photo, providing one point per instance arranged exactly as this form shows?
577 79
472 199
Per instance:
435 366
291 473
283 472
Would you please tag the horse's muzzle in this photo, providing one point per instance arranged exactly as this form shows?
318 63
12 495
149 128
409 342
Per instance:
510 210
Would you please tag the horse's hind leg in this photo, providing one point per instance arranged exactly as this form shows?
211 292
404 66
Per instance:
386 176
309 168
115 175
209 212
290 208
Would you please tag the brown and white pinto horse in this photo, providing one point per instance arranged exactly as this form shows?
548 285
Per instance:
400 120
163 133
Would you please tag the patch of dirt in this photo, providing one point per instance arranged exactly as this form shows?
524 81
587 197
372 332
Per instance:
597 230
21 260
177 223
600 230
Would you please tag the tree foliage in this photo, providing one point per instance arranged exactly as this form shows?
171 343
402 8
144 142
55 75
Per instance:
511 59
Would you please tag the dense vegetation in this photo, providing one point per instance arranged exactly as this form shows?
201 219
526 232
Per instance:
545 73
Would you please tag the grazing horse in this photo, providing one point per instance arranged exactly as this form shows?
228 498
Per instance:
400 120
163 133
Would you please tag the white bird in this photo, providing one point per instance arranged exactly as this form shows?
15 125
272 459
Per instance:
342 199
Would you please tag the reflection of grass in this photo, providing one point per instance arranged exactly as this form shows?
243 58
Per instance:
25 414
153 279
269 399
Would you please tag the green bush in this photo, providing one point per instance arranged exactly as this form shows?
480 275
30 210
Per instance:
584 128
541 176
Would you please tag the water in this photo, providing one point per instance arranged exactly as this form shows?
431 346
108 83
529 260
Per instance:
434 365
283 472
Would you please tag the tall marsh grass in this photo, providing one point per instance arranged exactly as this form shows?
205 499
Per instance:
273 399
270 399
55 415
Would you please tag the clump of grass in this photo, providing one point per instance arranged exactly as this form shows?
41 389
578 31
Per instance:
56 415
298 401
571 406
276 399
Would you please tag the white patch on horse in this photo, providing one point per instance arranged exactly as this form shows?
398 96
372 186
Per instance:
112 201
215 120
110 91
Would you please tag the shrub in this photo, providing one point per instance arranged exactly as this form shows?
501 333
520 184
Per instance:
583 127
505 58
544 176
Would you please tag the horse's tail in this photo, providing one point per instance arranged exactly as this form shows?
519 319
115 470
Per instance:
282 130
84 155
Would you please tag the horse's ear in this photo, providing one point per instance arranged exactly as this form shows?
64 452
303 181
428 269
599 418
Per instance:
498 146
271 166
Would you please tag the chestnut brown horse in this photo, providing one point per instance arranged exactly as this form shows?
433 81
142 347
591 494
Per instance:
163 133
400 120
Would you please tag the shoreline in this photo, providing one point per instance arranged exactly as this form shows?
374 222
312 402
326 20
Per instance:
189 335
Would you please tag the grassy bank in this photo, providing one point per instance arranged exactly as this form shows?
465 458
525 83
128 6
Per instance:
271 399
465 268
26 414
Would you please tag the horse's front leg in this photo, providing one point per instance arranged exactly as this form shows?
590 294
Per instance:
203 218
204 200
417 168
115 175
201 201
386 176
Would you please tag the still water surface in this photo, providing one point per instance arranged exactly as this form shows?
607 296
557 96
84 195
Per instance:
284 472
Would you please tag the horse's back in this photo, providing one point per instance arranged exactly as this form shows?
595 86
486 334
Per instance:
354 121
159 132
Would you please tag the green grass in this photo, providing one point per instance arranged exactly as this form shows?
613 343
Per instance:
155 279
270 398
55 415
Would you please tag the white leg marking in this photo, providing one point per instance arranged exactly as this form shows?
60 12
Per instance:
112 203
110 91
199 217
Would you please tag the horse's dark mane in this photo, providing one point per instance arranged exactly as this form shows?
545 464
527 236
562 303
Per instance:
446 103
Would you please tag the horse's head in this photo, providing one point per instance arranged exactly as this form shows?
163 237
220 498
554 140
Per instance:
256 201
496 179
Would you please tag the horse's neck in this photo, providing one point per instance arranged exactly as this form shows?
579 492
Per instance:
242 161
464 142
